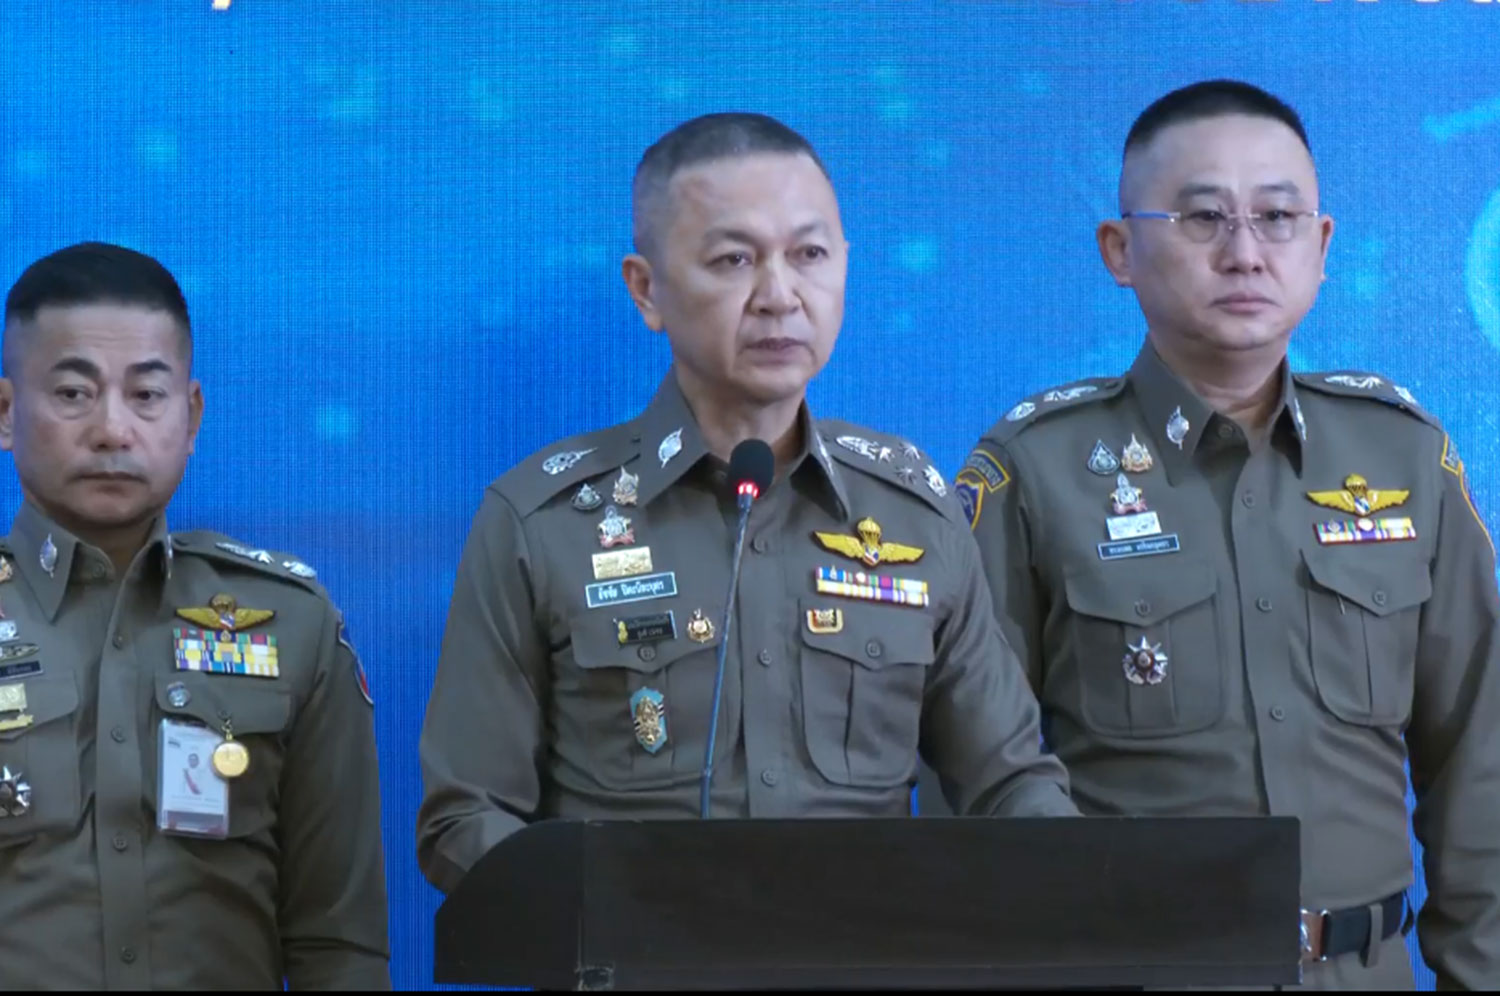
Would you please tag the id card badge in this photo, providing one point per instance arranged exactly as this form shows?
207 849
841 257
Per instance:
191 799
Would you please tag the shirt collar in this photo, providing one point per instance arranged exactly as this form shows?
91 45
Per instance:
1179 419
39 543
671 445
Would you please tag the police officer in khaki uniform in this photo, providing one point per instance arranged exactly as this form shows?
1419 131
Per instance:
577 670
1239 590
188 786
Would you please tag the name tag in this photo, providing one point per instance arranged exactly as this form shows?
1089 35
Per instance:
1139 547
640 589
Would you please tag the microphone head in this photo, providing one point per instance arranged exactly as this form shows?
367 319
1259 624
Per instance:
752 463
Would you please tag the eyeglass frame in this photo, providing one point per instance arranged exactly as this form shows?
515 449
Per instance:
1233 221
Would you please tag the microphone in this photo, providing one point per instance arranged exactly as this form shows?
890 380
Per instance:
751 470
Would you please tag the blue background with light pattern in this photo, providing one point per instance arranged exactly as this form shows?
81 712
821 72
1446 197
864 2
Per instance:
398 225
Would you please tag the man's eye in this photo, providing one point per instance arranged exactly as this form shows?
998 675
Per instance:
732 259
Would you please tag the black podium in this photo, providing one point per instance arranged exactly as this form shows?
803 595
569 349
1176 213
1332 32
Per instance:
884 903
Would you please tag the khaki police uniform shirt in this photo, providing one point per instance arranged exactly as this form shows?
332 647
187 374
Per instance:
92 894
1286 675
540 710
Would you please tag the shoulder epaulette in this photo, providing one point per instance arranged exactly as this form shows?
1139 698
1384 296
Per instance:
896 461
548 472
217 546
1047 403
1369 386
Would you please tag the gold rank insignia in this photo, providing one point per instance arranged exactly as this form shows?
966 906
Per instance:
13 700
6 570
1358 498
700 628
825 621
223 613
867 547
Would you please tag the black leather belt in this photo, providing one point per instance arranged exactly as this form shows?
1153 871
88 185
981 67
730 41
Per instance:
1330 933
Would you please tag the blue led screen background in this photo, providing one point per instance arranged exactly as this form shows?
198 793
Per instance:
399 224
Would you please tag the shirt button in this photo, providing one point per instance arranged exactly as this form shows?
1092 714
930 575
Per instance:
874 649
1248 499
759 544
223 713
1278 713
1264 604
117 735
127 955
764 657
120 842
119 640
646 653
770 776
1143 608
1378 598
1225 430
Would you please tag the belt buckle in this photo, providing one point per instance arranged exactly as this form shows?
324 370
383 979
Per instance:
1306 936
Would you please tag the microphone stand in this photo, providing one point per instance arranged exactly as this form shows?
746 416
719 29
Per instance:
748 492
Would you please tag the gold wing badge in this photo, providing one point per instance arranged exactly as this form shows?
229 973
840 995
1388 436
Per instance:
867 546
223 613
1358 498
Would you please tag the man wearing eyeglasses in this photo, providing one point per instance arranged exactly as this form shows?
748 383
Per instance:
1240 590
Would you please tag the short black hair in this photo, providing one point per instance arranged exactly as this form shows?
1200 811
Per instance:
94 273
724 135
1212 99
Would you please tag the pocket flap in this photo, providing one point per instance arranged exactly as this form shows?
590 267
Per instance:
214 699
1144 595
596 641
48 697
874 635
1391 589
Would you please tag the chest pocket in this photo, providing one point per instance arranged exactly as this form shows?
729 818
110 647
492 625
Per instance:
44 756
1174 607
259 713
862 692
620 699
1362 627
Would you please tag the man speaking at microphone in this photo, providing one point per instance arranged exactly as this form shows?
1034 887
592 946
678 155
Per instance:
587 630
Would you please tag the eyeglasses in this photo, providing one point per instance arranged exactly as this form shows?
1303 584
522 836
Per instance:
1208 225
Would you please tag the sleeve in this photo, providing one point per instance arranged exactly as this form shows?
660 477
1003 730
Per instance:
483 736
1454 745
1001 523
331 912
980 721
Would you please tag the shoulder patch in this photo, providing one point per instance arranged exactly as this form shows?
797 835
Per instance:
892 459
981 474
1053 400
1455 466
552 470
217 546
1371 387
361 679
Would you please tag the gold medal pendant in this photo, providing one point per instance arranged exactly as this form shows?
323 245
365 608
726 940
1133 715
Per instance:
230 758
